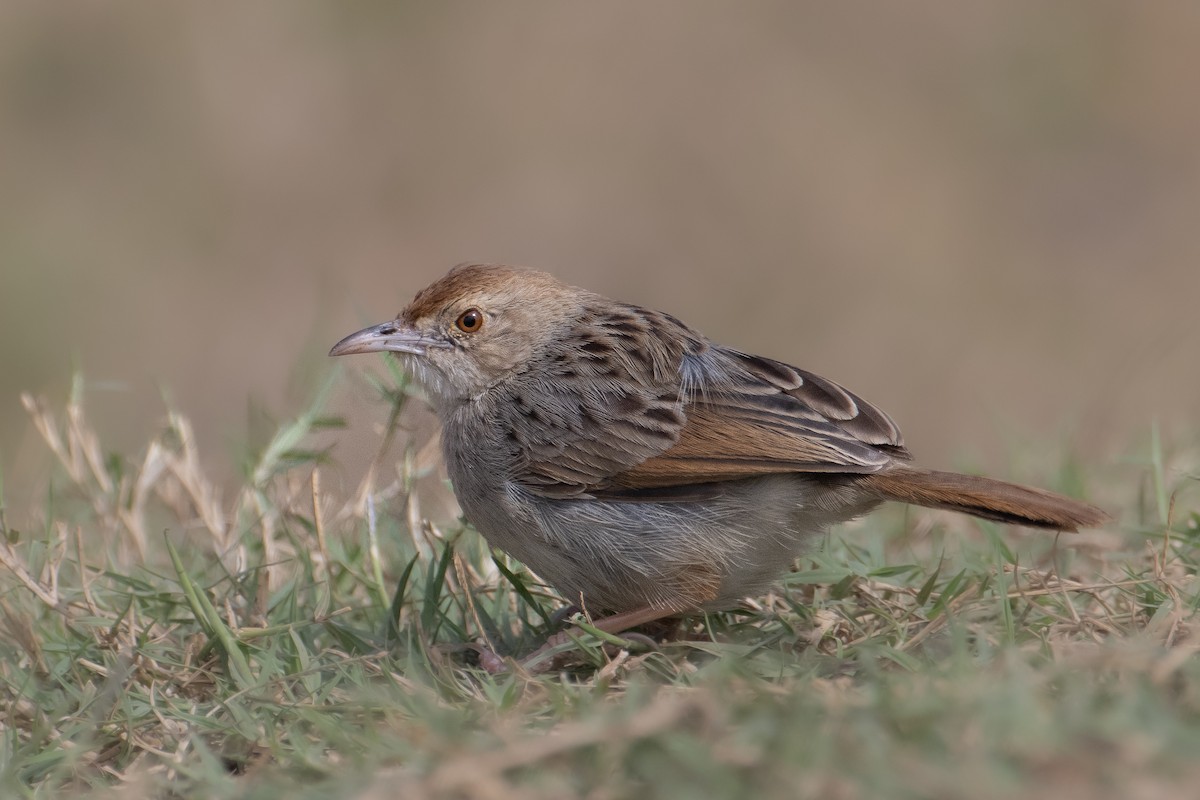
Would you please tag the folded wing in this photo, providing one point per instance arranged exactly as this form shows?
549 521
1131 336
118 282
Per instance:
649 425
772 418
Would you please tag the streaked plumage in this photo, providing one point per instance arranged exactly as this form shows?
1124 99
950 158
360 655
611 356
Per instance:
640 468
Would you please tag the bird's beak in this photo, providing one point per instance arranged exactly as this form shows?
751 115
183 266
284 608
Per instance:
391 336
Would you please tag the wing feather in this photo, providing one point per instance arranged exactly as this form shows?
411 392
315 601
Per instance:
641 430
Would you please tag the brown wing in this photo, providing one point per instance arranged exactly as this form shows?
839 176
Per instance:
672 411
576 444
601 407
774 418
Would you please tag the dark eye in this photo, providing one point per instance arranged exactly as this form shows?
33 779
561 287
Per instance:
470 320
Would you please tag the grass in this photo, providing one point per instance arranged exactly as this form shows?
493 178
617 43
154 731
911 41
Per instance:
162 641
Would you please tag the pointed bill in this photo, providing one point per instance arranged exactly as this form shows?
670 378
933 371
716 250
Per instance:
391 336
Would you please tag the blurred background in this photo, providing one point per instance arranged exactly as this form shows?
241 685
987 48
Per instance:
983 217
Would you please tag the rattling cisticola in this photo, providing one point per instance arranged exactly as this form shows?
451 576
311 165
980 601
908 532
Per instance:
641 469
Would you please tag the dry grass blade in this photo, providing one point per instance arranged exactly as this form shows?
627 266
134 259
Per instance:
265 635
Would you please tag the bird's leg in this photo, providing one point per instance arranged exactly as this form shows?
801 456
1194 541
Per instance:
545 657
693 583
560 617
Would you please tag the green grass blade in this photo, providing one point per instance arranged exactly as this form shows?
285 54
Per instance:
210 620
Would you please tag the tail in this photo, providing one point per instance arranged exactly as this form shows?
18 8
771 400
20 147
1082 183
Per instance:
985 497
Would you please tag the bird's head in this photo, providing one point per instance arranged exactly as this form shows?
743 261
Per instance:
473 328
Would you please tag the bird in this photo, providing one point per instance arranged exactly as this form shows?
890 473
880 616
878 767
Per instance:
641 469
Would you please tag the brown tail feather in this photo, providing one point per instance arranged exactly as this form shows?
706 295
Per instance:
985 497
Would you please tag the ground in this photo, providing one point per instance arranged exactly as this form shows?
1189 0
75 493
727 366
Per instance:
164 641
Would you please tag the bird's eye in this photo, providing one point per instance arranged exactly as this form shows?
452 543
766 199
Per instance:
470 320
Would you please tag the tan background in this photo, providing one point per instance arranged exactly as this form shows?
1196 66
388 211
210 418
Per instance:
985 218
